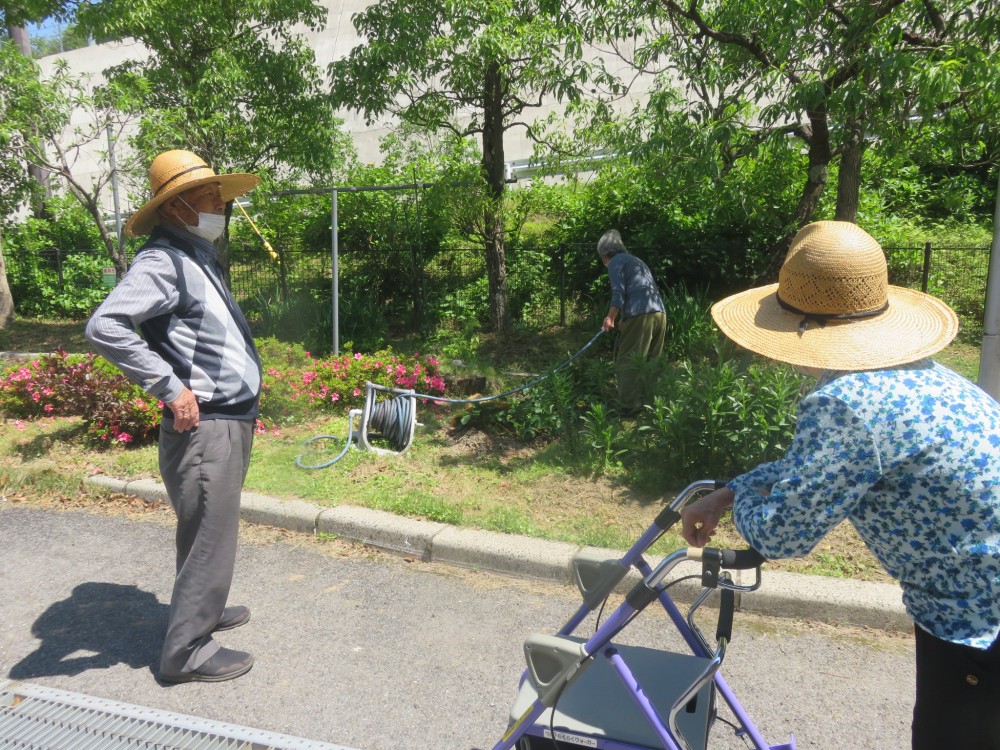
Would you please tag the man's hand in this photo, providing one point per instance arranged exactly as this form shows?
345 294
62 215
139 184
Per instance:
185 409
609 319
699 519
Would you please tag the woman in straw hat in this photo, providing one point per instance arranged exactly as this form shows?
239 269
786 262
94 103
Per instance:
197 355
903 448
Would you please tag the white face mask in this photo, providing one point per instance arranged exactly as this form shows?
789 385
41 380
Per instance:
210 226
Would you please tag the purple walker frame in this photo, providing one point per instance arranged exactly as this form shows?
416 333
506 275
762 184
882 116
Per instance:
651 589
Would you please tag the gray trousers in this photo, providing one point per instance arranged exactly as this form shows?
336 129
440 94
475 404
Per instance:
203 470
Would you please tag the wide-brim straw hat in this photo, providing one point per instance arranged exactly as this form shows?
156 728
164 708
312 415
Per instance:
173 172
833 307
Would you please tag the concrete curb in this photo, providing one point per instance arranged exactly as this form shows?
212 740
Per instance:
816 598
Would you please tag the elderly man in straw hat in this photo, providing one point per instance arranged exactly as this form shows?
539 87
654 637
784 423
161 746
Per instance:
903 448
197 355
637 309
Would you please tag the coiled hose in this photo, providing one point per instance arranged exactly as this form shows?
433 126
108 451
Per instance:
392 417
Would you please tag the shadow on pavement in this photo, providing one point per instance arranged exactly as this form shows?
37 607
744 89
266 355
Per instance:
98 626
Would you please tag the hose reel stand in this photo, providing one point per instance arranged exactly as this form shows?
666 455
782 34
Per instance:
394 420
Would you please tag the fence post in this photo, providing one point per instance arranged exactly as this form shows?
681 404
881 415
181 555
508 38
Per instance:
989 354
562 285
927 267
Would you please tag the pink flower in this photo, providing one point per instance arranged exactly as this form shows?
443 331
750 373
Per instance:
19 424
357 355
36 396
124 437
357 391
47 408
335 397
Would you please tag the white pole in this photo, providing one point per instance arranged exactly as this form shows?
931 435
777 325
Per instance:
989 357
335 272
114 192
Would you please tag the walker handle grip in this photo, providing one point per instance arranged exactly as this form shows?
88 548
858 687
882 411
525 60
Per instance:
731 559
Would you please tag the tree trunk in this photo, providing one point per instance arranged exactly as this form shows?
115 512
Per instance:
20 38
6 300
818 140
849 178
110 240
493 172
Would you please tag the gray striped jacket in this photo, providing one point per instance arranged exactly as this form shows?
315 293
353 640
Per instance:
193 332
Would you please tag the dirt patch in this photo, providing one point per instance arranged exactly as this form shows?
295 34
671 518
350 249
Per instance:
469 441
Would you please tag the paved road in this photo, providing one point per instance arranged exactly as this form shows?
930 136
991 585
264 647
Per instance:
378 653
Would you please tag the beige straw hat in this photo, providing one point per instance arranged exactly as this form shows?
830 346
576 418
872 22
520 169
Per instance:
173 172
833 307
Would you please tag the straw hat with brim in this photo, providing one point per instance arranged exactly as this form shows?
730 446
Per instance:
833 307
174 172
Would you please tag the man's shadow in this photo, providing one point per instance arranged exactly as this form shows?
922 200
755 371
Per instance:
98 626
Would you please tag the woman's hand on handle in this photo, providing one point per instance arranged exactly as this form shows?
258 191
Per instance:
699 519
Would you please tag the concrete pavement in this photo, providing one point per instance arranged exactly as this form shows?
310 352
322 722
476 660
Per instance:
807 597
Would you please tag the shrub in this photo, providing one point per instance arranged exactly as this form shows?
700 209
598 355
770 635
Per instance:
718 420
54 266
298 386
76 385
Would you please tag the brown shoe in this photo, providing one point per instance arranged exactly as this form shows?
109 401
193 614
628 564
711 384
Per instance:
233 617
224 664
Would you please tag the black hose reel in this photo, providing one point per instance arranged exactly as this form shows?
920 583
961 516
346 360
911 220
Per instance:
393 419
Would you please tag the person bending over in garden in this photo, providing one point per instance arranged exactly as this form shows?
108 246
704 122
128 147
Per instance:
637 308
905 449
197 355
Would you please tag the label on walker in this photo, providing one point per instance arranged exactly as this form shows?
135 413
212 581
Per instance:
574 739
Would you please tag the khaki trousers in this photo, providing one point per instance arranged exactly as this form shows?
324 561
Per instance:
640 338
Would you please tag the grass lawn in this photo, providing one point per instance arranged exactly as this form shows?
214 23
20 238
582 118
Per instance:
459 476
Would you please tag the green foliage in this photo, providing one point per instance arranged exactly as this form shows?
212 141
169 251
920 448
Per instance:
240 87
690 331
16 73
472 68
689 226
20 12
54 265
719 419
604 438
830 75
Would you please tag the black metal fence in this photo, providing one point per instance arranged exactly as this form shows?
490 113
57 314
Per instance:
408 284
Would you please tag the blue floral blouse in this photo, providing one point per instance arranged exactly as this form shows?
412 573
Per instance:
911 457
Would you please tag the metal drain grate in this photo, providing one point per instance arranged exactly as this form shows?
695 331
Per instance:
41 718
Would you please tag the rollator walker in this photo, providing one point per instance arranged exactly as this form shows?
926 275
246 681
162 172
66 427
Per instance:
593 693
